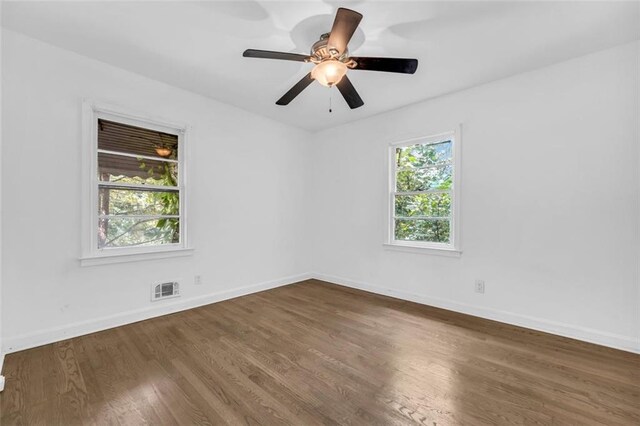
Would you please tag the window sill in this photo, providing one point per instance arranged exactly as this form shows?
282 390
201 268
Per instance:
107 259
447 252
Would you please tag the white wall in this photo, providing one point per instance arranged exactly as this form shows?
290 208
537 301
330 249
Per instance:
1 350
637 106
247 184
549 200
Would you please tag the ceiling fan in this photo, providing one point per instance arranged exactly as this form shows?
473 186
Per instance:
332 61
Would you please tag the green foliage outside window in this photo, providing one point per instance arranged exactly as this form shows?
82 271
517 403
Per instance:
130 231
170 203
422 200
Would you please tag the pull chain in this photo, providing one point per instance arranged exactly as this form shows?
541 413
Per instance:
330 92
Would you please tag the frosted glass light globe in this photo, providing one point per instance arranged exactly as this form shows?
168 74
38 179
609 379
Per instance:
329 72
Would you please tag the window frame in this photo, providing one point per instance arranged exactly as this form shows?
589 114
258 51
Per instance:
91 254
453 248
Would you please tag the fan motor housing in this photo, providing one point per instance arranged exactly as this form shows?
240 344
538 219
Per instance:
320 52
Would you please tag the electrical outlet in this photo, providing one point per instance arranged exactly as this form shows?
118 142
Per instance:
197 280
479 286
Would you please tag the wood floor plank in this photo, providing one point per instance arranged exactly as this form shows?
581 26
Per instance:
317 353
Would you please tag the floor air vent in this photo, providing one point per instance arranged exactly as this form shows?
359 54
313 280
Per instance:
165 290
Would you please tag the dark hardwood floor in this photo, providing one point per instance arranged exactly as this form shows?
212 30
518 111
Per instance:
316 353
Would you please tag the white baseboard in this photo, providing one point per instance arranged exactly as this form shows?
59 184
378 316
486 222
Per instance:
1 376
598 337
55 334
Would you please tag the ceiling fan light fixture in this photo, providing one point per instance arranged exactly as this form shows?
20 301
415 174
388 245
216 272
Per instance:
329 72
330 54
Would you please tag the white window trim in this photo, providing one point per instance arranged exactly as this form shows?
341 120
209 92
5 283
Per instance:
454 248
91 255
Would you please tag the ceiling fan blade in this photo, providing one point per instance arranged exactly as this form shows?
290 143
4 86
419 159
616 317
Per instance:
344 25
401 65
295 90
349 93
268 54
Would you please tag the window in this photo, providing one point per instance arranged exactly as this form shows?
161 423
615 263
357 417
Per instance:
423 185
136 185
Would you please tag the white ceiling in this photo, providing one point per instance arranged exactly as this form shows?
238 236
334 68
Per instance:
198 45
